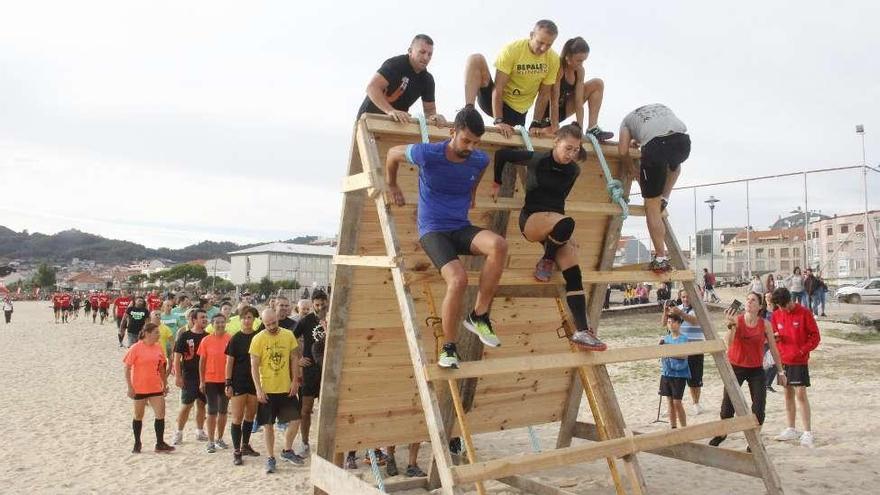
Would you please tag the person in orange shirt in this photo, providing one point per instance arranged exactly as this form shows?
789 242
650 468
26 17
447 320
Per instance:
146 377
212 381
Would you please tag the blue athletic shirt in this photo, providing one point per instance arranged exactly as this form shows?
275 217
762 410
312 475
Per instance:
445 187
674 367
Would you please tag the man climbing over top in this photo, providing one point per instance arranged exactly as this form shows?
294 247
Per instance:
524 69
665 146
449 173
401 81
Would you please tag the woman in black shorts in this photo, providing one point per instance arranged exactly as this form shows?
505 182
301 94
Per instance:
549 178
240 386
146 377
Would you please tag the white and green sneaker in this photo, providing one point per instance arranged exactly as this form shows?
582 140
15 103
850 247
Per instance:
482 327
448 357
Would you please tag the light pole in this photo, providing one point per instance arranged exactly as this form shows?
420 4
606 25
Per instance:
711 202
860 130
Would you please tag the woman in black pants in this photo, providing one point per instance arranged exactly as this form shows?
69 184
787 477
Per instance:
746 337
550 176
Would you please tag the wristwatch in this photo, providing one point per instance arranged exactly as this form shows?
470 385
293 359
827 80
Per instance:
499 120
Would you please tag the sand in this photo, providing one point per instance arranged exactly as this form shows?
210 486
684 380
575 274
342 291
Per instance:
67 422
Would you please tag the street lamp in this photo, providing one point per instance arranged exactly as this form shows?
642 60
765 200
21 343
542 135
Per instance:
860 130
711 202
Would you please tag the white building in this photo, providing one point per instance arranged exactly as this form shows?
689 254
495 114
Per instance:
218 267
307 265
838 247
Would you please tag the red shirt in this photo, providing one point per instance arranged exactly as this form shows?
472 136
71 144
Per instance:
103 301
122 303
65 300
56 300
154 302
747 346
93 300
796 334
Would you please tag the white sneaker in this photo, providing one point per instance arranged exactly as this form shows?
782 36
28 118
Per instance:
306 451
201 435
787 434
178 438
698 409
807 439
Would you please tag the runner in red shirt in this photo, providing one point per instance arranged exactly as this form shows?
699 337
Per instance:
154 301
103 305
93 300
796 335
56 305
120 304
66 306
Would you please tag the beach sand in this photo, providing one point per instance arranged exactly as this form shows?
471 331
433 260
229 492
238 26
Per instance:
68 423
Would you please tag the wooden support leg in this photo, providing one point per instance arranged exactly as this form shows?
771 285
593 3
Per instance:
465 430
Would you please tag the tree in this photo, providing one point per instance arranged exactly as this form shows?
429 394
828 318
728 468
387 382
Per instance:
137 279
266 286
217 284
45 276
186 272
287 284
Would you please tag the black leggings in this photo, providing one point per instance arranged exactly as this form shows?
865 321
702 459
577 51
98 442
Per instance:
757 389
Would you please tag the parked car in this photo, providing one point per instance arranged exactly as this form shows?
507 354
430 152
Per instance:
865 291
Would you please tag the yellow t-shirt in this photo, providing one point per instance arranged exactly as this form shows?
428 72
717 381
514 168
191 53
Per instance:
233 325
166 337
527 72
274 353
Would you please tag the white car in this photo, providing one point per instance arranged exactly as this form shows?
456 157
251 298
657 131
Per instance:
865 291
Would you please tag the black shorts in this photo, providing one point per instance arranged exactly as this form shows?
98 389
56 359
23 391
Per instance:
672 387
281 408
443 247
311 386
66 308
103 311
660 156
243 387
147 396
798 375
190 393
217 402
509 115
695 364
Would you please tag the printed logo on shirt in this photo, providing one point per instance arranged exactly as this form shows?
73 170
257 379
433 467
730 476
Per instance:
524 69
397 93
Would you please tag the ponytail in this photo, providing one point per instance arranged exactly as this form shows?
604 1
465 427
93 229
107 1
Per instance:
571 47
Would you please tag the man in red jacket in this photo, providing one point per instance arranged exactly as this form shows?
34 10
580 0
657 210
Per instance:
796 336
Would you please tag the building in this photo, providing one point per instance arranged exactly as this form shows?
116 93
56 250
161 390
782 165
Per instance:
148 267
218 267
86 281
308 265
708 246
796 219
838 247
772 251
631 251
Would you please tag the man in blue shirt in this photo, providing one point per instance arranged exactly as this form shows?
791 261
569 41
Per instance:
690 328
449 173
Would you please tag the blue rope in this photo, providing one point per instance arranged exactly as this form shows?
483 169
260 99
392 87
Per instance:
374 465
423 127
525 137
612 185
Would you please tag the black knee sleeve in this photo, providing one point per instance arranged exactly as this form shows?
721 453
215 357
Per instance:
562 231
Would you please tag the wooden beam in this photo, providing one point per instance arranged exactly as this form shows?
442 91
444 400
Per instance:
532 486
696 453
731 385
527 277
531 462
357 182
337 481
523 364
384 125
368 261
407 484
509 204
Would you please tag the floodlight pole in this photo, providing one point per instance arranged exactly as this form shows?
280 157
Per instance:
860 130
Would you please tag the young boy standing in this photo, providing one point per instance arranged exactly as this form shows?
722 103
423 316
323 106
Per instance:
675 372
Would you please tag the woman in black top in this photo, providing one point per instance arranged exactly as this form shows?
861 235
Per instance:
240 385
550 175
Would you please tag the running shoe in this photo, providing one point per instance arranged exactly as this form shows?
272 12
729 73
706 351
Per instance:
807 439
482 327
201 435
306 450
236 458
787 434
210 448
178 438
659 266
163 447
220 444
391 466
381 458
600 134
271 465
587 341
291 457
716 441
698 409
544 270
448 357
350 462
247 450
413 471
137 448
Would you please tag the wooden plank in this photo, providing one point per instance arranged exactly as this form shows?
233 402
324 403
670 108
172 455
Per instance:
465 431
531 462
369 261
507 204
731 386
473 369
527 277
532 486
407 484
696 453
337 481
356 182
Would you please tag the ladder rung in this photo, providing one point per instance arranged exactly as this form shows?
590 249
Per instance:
520 364
617 447
527 277
357 182
507 204
370 261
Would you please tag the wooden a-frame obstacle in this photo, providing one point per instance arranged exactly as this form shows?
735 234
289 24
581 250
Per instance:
381 385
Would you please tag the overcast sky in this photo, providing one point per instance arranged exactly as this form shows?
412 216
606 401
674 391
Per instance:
168 123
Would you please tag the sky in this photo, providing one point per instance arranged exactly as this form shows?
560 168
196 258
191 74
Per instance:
168 123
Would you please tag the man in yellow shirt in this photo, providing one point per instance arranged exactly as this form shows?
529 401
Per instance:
275 369
524 69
